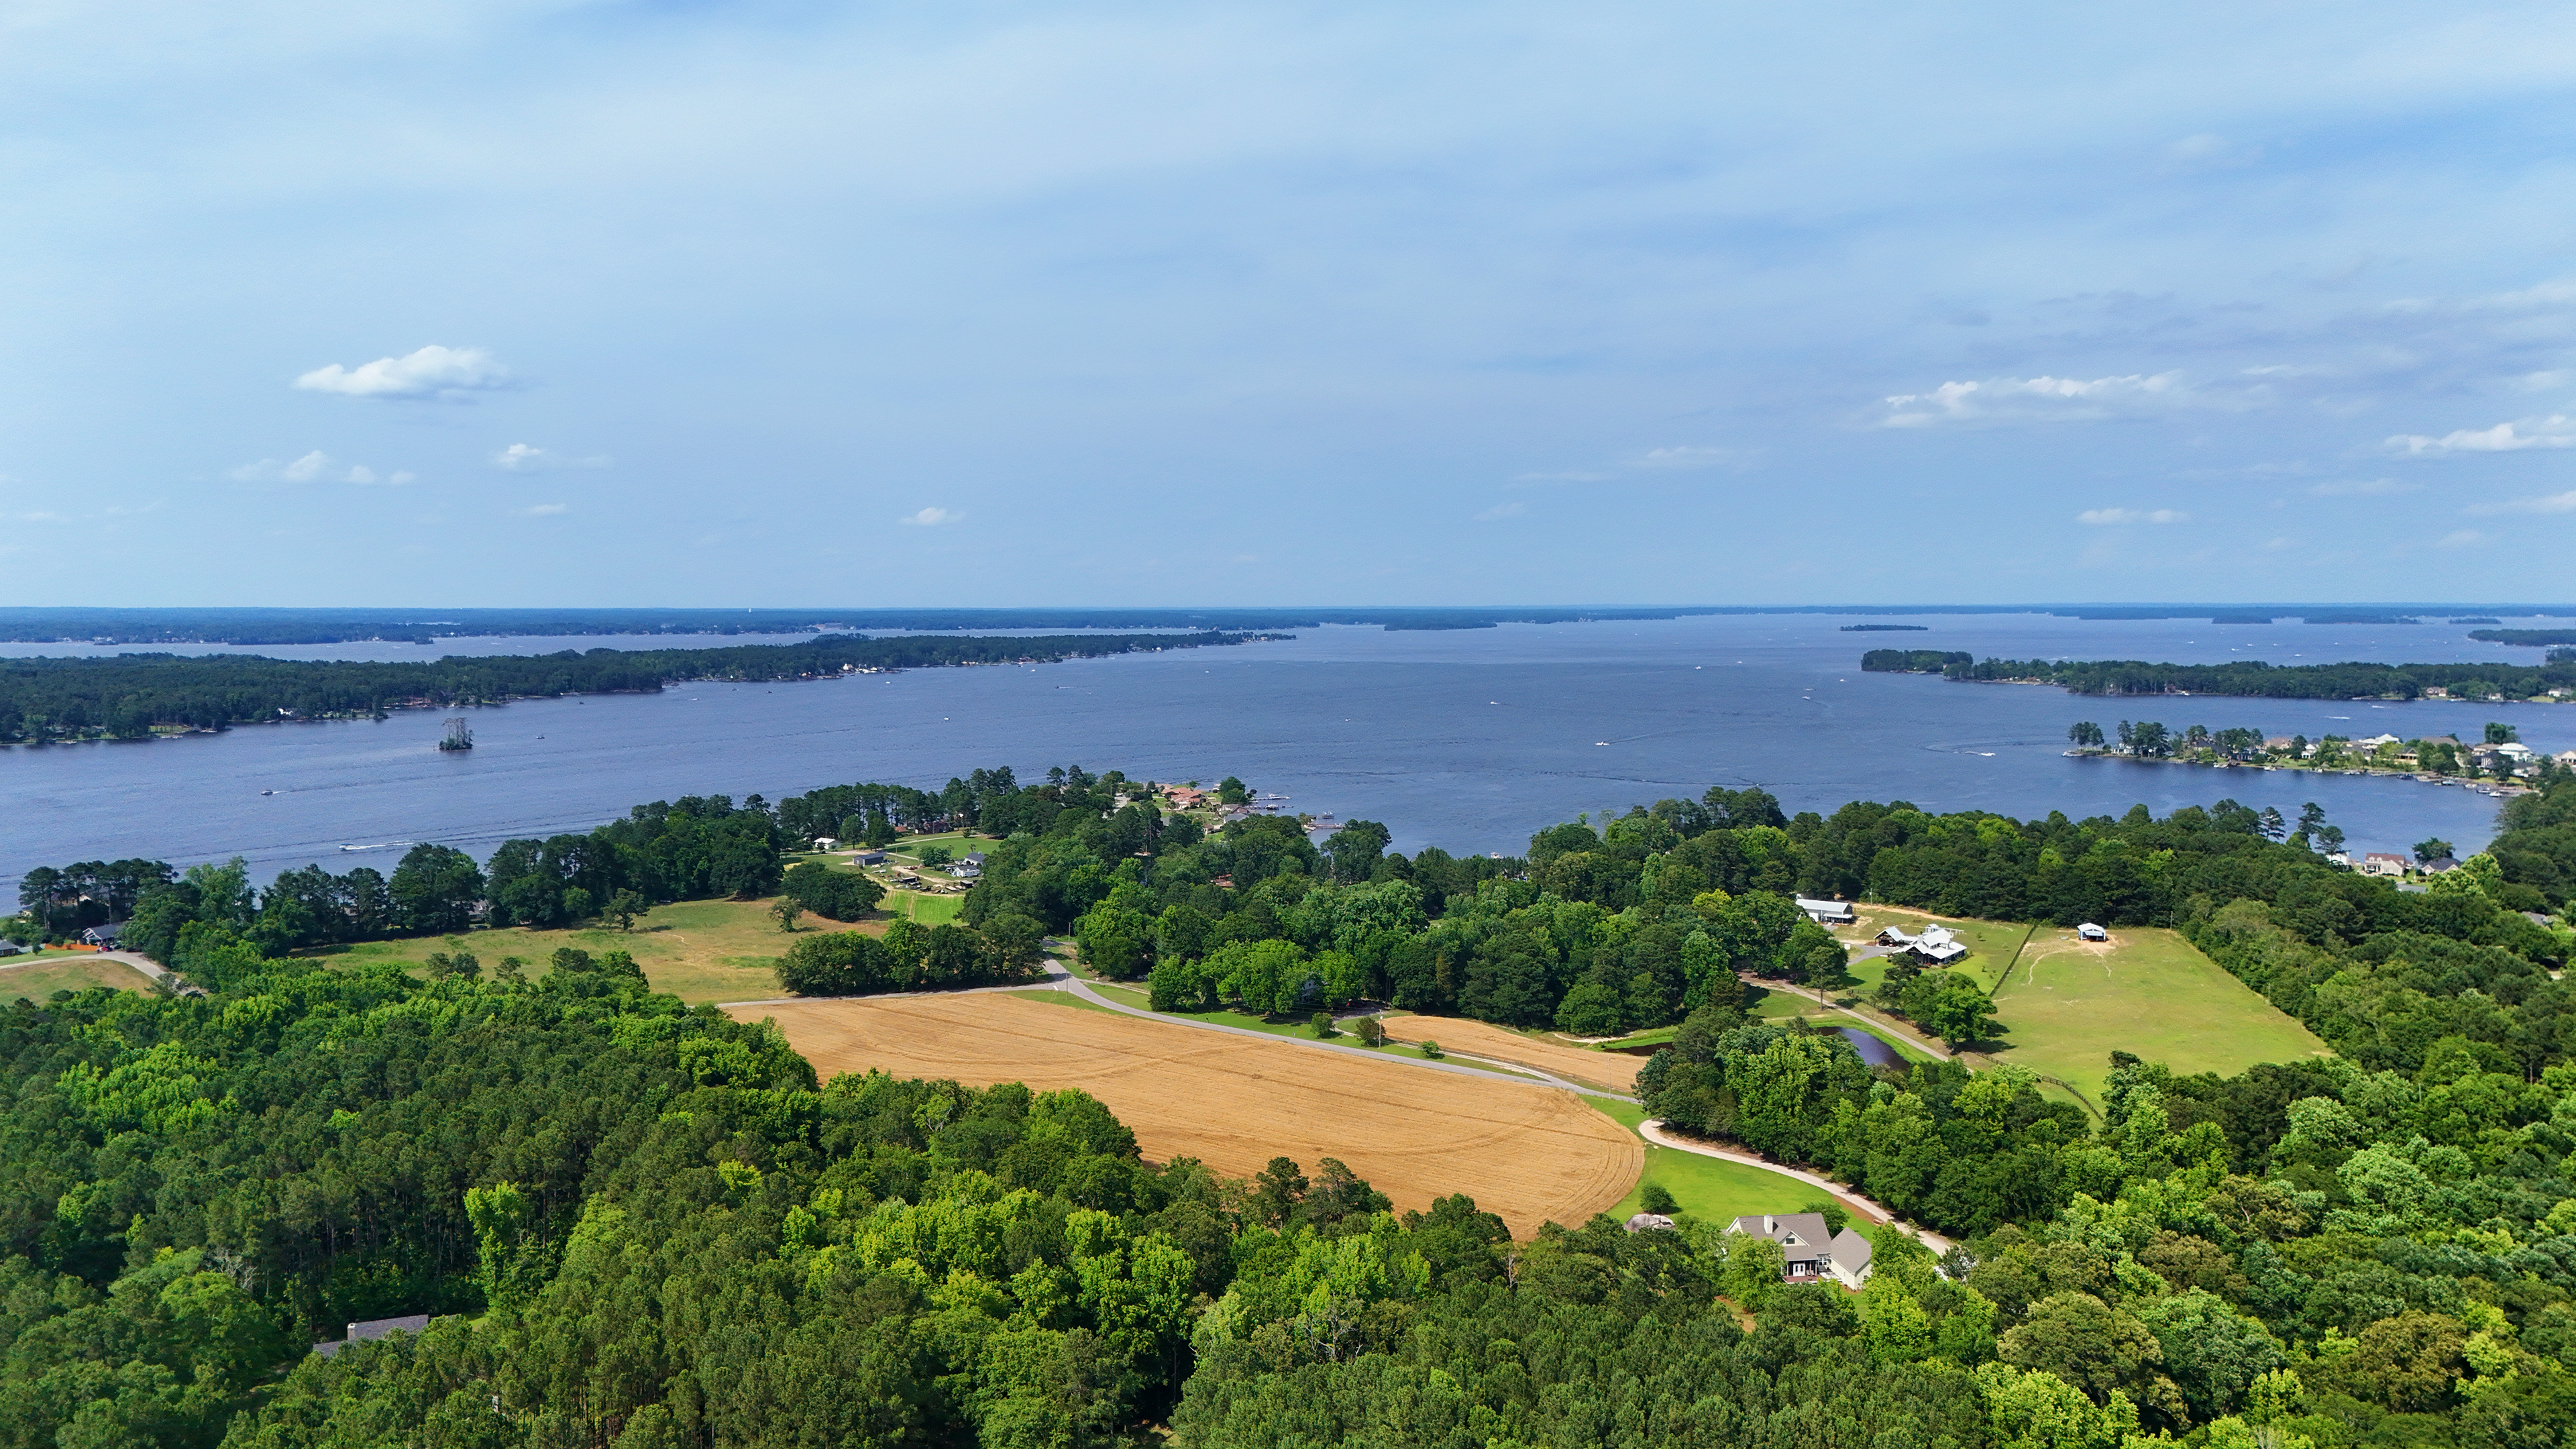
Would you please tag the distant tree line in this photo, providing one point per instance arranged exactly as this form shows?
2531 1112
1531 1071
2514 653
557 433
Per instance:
2252 678
125 696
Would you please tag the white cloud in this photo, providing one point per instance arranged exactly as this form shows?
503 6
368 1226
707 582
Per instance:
1502 510
432 371
314 467
2033 398
2548 503
545 510
2465 538
2556 431
2362 488
932 517
2122 517
1562 477
525 458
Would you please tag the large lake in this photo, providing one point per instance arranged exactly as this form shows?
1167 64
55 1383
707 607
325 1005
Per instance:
1469 740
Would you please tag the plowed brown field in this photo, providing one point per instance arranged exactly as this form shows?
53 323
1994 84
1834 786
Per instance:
1530 1153
1616 1071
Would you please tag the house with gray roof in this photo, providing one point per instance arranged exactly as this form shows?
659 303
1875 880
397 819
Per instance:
1815 1252
375 1328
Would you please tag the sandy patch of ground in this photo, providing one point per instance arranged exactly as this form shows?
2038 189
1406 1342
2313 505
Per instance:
1616 1071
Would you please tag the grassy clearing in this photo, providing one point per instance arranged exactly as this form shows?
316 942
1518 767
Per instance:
1060 998
699 951
2070 1004
68 971
926 909
1711 1189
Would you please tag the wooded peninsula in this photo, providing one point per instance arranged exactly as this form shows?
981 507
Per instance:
128 697
2252 677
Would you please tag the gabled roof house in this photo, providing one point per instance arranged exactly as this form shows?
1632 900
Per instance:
1815 1252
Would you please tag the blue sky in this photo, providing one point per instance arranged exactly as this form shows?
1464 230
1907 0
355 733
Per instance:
524 303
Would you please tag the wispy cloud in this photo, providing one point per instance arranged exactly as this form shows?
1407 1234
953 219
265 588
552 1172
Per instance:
545 510
314 467
2122 517
525 458
2362 488
1578 477
2032 399
2556 431
2547 503
1502 510
433 371
2465 538
932 517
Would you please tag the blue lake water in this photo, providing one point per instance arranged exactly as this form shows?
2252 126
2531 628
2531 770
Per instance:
1467 739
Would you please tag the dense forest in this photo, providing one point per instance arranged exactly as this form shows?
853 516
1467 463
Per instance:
124 696
645 1225
648 1225
2251 677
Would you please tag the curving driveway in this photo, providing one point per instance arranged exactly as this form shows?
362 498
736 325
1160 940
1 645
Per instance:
1654 1132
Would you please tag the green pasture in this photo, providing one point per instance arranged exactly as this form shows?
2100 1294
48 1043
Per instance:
1711 1189
2069 1005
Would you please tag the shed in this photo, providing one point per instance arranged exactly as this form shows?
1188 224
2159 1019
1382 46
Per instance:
1832 913
2091 932
1648 1223
869 857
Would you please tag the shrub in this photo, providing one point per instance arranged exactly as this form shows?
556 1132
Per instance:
1323 1024
1370 1031
1431 1049
1656 1198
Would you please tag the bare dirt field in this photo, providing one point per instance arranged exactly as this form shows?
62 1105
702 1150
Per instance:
1616 1071
1530 1153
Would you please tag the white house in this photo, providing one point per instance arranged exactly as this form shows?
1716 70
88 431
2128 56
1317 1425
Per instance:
2380 862
1814 1251
1827 913
827 842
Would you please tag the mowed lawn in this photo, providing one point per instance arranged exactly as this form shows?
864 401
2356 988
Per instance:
699 951
2069 1004
40 979
1709 1188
